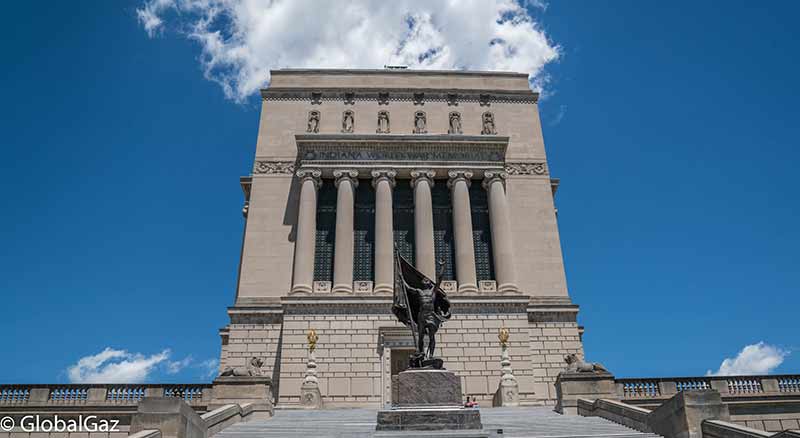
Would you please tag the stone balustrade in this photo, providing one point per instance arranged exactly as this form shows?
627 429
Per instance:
644 390
98 394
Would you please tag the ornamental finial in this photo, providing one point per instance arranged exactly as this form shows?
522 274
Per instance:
503 336
312 340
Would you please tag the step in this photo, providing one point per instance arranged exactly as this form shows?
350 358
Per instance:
532 422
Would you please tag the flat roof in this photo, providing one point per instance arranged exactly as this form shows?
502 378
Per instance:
378 71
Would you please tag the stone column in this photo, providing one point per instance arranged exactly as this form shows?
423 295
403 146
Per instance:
383 182
306 233
346 183
494 183
421 182
462 231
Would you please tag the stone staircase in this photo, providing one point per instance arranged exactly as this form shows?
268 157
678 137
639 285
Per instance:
534 422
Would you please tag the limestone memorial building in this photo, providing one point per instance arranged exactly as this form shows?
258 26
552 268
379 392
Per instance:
449 168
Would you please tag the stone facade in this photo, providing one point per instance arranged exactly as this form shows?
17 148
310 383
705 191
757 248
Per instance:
347 127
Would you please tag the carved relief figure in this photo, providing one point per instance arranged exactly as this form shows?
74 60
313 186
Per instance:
253 368
488 124
455 123
348 121
313 121
420 123
383 122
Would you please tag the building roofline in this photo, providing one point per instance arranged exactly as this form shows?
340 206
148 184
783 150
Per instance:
386 71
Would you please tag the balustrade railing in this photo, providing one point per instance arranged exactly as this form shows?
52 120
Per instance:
98 394
728 386
692 384
13 394
641 389
789 383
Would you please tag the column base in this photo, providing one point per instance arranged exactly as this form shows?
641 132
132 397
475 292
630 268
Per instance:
468 288
301 289
342 289
383 289
508 288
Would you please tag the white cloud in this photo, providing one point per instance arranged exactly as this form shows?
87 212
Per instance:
757 358
209 368
241 40
176 366
115 366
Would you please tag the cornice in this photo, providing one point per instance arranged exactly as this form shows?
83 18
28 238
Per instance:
485 97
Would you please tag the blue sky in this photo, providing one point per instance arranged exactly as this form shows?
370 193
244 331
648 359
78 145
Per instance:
673 127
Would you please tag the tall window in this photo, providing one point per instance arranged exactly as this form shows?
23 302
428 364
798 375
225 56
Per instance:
403 212
443 228
481 233
364 232
326 231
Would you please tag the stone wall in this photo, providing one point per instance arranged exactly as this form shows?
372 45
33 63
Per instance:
357 337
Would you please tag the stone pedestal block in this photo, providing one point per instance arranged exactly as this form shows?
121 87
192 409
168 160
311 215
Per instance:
428 388
573 386
507 394
239 390
170 415
430 400
429 419
310 397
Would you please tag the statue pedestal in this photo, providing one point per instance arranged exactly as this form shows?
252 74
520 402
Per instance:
240 390
571 386
430 400
310 397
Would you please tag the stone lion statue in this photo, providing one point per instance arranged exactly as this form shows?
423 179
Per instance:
253 368
577 365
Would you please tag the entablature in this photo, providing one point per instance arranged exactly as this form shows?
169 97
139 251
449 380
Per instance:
402 153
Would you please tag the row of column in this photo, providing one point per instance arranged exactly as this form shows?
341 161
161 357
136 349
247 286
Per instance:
383 181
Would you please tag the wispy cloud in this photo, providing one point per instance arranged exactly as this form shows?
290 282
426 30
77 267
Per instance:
115 366
241 40
120 366
209 368
757 358
562 111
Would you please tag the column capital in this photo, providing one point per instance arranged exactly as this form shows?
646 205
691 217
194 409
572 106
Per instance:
459 175
348 174
314 175
381 174
494 176
422 174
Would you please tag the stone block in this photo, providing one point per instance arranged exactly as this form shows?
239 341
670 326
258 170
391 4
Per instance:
310 396
476 385
338 386
360 386
431 420
170 415
682 415
573 386
240 390
362 287
418 387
